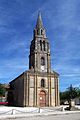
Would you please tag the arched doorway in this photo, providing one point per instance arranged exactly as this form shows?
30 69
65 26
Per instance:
42 98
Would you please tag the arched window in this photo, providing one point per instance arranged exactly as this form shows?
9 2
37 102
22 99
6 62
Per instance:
37 32
40 45
42 61
42 83
48 46
41 31
44 45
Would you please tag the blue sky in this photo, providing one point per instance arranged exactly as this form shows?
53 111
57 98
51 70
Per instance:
61 19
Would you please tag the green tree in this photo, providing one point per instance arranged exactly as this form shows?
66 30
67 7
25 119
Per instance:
69 94
63 97
2 90
78 92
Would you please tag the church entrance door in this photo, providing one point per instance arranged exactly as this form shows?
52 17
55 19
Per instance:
42 99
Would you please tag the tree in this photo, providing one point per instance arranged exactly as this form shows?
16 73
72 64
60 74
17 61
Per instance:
63 97
72 92
78 92
2 90
69 94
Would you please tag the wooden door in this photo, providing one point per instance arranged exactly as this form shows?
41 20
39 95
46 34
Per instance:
42 99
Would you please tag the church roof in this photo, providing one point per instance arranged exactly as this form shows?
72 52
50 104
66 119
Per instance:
54 72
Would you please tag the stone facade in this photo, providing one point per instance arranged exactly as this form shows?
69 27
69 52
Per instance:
38 86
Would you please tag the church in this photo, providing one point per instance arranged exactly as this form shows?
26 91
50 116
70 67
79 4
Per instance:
38 86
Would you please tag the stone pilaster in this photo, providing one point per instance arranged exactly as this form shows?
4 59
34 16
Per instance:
45 46
26 89
56 92
35 62
50 93
49 97
35 90
48 63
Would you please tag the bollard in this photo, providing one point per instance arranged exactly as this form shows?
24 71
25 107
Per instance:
39 110
13 112
63 109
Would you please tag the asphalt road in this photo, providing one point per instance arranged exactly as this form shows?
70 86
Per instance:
75 116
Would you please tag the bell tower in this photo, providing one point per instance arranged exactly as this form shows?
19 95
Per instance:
39 58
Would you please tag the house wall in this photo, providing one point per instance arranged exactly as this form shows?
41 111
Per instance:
17 87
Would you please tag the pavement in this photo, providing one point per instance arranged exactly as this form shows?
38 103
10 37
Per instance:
75 116
23 116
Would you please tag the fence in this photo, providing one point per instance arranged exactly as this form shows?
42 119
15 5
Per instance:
37 110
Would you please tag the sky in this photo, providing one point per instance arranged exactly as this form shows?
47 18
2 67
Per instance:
61 19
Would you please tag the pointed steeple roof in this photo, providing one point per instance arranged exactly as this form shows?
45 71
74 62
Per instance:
39 23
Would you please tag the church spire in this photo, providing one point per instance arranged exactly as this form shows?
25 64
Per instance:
39 23
39 29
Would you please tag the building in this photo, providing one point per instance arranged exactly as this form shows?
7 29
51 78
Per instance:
38 86
3 94
77 100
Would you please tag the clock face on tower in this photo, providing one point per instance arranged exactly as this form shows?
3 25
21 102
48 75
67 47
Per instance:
42 68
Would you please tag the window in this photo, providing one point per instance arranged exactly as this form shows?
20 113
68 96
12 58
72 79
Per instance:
44 45
41 31
42 83
48 46
42 61
37 32
40 45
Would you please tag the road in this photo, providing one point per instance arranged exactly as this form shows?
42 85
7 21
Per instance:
75 116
